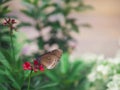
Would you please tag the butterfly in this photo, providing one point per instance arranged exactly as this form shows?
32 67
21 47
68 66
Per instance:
50 59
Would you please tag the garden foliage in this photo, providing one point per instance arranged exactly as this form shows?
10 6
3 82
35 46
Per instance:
77 74
53 16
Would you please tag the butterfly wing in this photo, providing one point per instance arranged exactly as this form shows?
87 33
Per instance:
50 59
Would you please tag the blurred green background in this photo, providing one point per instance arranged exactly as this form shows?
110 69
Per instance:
78 27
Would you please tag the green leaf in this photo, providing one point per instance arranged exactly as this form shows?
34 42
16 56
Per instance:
35 2
51 75
41 42
76 69
28 13
64 63
2 72
28 3
24 24
2 76
4 61
50 85
75 27
14 82
2 87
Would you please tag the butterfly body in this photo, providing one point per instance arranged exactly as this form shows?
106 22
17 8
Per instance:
50 59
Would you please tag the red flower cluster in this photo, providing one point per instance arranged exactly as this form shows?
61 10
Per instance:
9 22
36 66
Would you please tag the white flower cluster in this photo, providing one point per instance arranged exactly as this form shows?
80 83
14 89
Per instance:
115 83
105 74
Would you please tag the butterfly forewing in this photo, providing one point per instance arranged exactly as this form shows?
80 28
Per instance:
50 59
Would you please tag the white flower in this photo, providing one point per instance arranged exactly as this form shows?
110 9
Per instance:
92 77
103 69
115 83
114 60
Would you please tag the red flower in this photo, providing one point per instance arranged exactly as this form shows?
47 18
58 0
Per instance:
27 66
35 67
41 67
38 66
13 21
10 23
36 62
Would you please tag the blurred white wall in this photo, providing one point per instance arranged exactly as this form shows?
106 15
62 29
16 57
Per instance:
104 35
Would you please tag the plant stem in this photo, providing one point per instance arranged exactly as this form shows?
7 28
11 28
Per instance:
29 80
12 47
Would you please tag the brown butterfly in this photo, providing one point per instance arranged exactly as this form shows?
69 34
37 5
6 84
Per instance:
50 59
